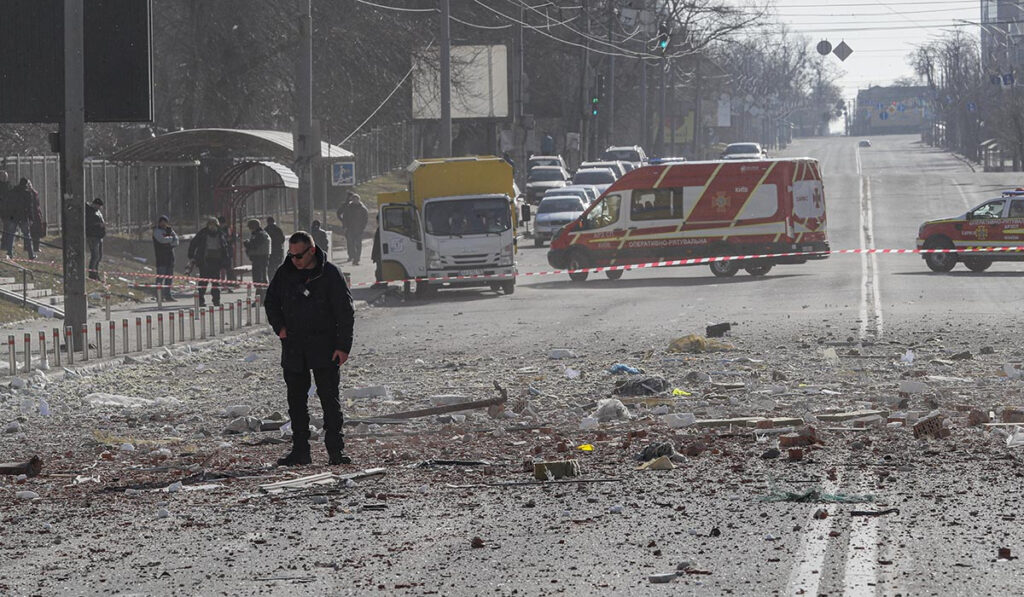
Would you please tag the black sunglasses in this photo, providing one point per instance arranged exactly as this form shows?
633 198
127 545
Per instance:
298 255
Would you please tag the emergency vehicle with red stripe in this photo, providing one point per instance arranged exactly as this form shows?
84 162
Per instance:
701 209
995 224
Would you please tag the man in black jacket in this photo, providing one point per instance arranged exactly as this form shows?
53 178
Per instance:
209 251
95 231
276 245
310 308
164 241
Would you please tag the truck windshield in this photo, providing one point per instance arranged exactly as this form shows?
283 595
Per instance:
458 217
555 205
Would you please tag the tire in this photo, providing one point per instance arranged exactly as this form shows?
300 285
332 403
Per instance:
724 269
508 287
614 274
977 264
940 262
759 269
425 290
577 260
495 286
538 242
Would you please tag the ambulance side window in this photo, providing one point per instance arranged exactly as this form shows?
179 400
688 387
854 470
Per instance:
605 213
656 204
989 211
1016 209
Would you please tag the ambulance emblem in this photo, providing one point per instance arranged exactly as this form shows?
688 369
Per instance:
720 202
981 233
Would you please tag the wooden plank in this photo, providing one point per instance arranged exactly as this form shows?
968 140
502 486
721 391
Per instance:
846 416
448 408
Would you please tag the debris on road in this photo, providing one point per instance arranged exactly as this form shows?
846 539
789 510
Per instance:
549 471
874 512
717 330
695 344
31 468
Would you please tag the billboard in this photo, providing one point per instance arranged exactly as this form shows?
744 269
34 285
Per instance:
479 83
117 61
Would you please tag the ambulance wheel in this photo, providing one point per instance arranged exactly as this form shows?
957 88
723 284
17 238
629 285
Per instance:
724 269
977 264
759 269
508 287
613 274
940 262
577 261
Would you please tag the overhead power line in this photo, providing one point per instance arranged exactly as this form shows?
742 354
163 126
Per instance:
395 8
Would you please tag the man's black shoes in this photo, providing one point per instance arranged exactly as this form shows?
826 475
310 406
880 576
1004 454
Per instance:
296 457
338 457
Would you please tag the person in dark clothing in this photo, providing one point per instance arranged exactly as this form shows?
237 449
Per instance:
95 231
276 245
209 252
309 306
320 238
353 215
37 226
164 241
258 250
375 257
17 212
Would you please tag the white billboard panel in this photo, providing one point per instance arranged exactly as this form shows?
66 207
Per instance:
479 83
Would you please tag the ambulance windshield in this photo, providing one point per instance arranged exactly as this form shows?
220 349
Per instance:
459 217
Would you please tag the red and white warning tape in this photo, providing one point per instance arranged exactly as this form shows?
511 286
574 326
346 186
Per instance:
647 265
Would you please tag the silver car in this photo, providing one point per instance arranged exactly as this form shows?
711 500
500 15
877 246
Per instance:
602 178
552 214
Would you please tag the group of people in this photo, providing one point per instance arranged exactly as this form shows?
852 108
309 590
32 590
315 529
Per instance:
21 213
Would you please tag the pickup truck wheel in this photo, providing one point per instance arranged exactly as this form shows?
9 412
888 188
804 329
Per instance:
940 262
724 269
614 274
508 287
577 261
977 264
495 286
759 269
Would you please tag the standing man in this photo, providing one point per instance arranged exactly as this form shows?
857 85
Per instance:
164 241
17 214
209 251
258 250
276 245
353 215
95 230
320 238
37 226
310 308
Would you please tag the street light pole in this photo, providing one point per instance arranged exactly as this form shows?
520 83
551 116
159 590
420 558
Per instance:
304 148
73 153
446 80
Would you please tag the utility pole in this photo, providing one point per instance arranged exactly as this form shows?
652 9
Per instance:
610 118
306 146
584 104
446 80
72 134
659 139
697 128
644 127
519 111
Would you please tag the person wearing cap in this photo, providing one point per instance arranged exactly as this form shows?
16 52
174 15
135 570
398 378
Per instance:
164 241
354 216
210 252
257 248
95 230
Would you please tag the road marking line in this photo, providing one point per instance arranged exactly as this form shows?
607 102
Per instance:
960 190
870 299
876 291
861 575
808 568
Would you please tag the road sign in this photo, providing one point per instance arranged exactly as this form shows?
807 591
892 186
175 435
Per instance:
343 174
824 47
842 51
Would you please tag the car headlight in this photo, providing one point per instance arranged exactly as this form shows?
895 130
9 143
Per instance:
505 259
433 259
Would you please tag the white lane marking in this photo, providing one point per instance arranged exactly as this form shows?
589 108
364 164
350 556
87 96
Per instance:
960 189
876 290
870 299
861 575
809 566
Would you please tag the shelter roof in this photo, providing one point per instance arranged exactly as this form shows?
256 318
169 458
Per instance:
195 144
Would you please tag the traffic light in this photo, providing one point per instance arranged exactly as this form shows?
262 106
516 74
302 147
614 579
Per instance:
664 36
595 103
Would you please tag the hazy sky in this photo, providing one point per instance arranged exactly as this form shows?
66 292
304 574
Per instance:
880 33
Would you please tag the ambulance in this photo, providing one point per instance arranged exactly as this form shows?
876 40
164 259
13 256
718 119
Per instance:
996 223
701 209
454 226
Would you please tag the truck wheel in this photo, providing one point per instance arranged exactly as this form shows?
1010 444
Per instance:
614 274
577 261
508 287
977 264
425 290
495 286
724 269
940 262
759 269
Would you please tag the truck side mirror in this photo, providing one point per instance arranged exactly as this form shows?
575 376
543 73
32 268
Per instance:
524 212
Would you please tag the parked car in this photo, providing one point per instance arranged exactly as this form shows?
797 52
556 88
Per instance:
545 160
864 143
542 178
602 178
629 153
663 161
571 191
744 151
994 224
619 168
590 190
553 213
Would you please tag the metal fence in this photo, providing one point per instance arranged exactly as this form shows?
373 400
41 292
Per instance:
382 149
